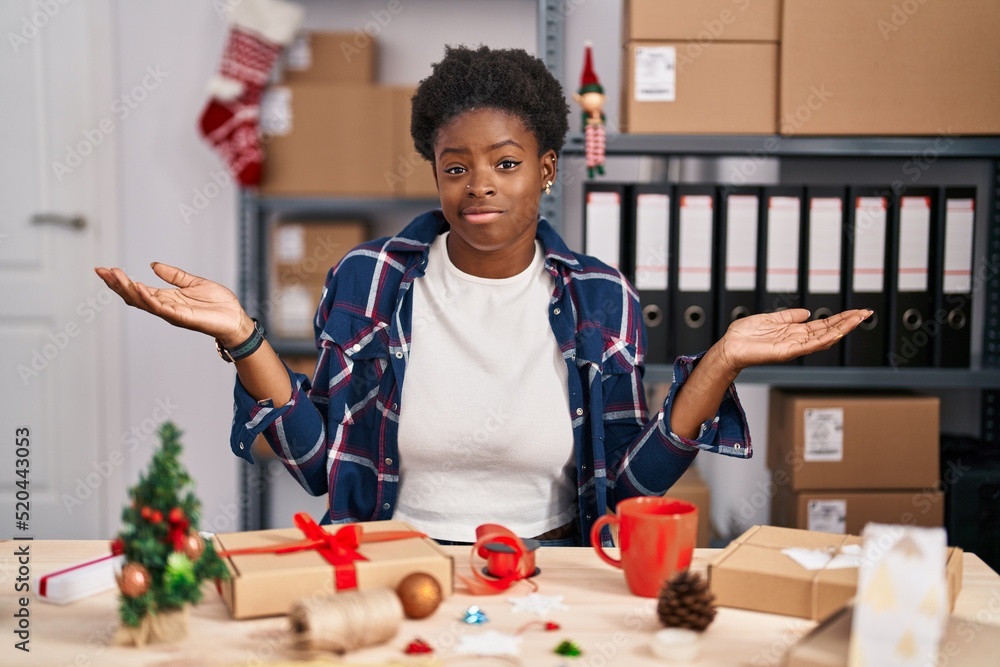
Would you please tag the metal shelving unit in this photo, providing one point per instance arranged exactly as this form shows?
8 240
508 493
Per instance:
256 212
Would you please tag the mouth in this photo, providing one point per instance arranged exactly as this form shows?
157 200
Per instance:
481 214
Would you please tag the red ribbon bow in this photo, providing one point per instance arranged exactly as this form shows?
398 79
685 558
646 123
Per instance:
338 548
178 530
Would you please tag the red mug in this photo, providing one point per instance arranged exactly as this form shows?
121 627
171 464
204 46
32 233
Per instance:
657 537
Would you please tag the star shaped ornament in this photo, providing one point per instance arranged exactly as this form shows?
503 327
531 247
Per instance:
489 643
539 605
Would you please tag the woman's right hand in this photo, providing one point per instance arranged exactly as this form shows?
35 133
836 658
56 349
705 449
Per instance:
198 304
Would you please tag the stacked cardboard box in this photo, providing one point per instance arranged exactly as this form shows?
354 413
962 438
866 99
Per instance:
700 67
840 461
302 253
331 130
857 67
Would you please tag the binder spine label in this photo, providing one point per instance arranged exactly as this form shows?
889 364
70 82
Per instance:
869 244
655 73
603 232
959 218
741 243
652 222
914 243
782 244
824 434
694 252
825 219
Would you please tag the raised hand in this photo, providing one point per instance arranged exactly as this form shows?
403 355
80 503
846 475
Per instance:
197 303
770 338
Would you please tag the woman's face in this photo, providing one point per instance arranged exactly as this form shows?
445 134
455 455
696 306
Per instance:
490 178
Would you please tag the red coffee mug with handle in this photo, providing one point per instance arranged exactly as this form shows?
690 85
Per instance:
656 535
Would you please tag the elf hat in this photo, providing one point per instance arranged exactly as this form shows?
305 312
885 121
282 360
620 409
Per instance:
588 79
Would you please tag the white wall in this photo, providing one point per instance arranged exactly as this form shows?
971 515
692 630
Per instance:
162 162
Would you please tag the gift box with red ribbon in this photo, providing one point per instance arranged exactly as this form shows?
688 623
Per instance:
272 569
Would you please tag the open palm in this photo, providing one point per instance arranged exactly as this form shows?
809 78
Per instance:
770 338
196 303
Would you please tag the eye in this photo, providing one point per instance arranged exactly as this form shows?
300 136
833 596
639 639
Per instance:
454 170
508 164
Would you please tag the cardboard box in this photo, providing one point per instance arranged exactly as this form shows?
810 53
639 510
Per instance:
692 488
331 57
752 573
858 67
690 87
966 643
856 441
268 584
704 20
302 253
411 175
331 140
847 512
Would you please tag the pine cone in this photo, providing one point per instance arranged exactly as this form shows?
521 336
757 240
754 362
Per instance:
685 602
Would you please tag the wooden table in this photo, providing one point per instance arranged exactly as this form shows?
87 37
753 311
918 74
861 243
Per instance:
612 626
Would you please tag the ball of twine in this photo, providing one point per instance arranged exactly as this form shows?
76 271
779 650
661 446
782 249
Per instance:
346 621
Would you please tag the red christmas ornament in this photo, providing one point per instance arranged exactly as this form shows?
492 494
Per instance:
176 515
418 646
156 517
146 512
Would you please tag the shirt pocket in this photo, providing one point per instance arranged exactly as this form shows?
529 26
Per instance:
611 355
359 337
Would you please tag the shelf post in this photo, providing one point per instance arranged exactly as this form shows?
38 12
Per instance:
551 29
991 333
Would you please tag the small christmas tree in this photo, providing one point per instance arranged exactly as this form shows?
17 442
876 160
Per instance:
166 560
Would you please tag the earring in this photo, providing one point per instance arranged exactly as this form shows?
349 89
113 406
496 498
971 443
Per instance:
548 188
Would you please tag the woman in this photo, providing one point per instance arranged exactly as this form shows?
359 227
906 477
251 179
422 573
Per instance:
520 361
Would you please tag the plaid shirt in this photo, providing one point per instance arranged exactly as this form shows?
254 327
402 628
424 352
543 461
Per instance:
338 434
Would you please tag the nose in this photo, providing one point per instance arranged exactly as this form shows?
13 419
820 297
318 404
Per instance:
480 184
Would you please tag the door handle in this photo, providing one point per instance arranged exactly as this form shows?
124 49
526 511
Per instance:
71 221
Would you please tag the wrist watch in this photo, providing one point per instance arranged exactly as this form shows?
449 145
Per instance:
244 349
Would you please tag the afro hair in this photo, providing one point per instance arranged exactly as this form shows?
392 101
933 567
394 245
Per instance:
509 80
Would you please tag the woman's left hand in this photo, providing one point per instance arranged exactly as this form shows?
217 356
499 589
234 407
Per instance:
770 338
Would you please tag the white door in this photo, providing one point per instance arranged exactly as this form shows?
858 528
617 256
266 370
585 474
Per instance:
56 214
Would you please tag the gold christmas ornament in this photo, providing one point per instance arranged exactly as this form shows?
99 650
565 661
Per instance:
134 580
194 546
420 594
686 602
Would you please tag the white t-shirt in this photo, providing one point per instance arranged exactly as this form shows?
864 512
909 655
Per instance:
485 434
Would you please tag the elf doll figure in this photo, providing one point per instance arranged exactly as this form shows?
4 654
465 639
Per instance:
590 97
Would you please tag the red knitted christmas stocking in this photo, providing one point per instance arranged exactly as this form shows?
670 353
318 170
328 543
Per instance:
259 30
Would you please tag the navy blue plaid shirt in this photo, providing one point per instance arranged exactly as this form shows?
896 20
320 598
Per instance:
338 434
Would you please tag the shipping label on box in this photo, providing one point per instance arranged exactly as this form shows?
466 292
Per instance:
753 573
268 584
655 74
